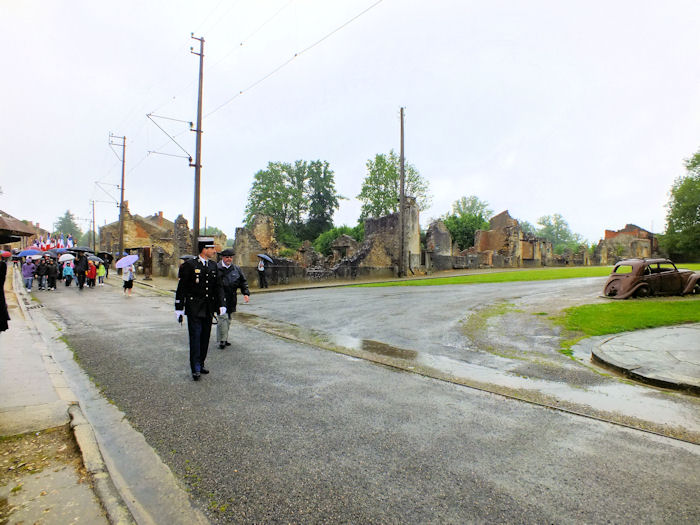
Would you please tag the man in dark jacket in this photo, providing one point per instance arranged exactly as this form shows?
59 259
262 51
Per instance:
51 274
41 272
80 266
199 296
232 279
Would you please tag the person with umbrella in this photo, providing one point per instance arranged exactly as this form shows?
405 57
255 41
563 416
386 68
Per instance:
199 295
4 315
91 273
80 267
101 272
51 274
68 273
261 269
28 271
41 272
232 279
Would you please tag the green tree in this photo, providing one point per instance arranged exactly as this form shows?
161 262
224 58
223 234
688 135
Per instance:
556 230
380 189
67 225
469 214
301 199
323 199
471 205
269 194
323 242
526 227
86 239
682 238
210 231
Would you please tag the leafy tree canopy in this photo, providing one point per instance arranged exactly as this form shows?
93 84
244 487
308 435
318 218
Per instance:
380 189
86 239
67 225
468 215
527 227
323 242
682 238
210 231
556 230
471 205
300 197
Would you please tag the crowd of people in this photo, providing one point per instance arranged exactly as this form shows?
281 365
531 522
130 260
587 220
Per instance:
49 272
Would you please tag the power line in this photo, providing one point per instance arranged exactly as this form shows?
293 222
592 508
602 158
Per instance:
287 62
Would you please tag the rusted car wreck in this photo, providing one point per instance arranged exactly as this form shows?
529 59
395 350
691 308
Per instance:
646 277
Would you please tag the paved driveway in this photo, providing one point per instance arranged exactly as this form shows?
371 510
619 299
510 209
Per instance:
286 431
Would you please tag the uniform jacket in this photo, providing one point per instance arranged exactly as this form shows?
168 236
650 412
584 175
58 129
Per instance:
232 279
199 291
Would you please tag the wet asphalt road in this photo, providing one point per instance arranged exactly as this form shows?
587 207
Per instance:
286 432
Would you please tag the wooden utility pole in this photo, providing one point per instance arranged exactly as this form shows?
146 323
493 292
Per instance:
121 201
402 209
93 226
198 153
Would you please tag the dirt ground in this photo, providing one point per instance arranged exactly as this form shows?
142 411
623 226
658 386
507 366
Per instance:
29 466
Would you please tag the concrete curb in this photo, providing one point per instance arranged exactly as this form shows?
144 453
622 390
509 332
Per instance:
638 370
117 511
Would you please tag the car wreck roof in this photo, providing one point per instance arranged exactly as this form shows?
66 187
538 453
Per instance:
644 261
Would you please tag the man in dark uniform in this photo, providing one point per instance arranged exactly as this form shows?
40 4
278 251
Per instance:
199 296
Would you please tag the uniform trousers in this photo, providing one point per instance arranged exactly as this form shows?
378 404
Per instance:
200 330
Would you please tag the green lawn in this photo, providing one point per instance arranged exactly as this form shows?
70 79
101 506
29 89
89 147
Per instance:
539 274
626 315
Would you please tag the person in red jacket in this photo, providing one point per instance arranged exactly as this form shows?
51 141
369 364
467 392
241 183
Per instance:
91 274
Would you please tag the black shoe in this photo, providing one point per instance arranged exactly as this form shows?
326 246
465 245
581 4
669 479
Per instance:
204 370
196 376
228 344
222 344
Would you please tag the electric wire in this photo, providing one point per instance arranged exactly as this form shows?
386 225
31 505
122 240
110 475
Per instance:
288 61
237 47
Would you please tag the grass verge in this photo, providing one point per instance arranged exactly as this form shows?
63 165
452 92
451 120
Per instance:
625 316
538 274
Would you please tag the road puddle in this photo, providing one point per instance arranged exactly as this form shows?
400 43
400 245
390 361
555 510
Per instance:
630 405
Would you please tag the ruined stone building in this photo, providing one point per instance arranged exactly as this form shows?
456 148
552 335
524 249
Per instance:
631 241
377 256
505 245
158 241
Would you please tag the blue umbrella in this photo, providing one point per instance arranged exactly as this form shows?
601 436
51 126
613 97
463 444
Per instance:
263 256
25 253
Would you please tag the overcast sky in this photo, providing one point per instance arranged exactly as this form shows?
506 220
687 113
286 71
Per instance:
583 108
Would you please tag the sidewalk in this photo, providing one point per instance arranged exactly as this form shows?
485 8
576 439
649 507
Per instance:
668 357
43 480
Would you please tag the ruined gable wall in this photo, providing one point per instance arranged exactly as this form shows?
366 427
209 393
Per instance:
491 240
385 231
438 239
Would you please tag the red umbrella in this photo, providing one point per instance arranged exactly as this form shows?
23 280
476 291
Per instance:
5 254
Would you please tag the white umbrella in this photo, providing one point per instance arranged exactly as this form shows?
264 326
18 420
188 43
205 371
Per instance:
126 261
66 257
